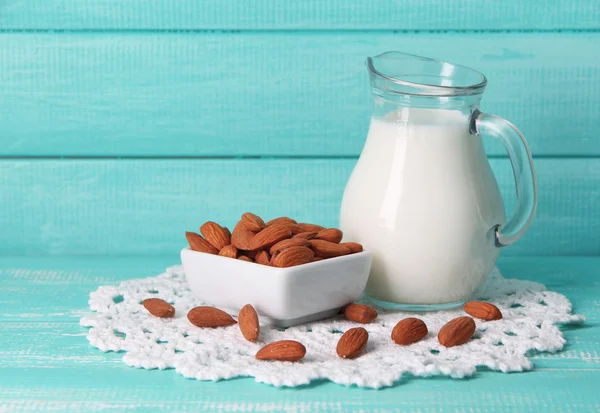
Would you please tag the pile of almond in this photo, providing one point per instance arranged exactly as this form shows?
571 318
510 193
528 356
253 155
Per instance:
281 242
351 344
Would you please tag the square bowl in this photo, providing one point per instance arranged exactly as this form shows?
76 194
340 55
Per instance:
282 296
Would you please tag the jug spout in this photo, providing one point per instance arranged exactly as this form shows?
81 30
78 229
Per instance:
407 74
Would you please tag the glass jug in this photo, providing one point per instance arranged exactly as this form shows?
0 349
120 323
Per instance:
422 196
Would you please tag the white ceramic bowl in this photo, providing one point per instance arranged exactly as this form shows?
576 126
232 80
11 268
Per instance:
282 296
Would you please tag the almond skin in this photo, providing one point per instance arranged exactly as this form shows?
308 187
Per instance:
317 259
252 222
227 232
483 310
456 332
159 308
310 227
290 242
326 249
209 317
262 257
197 243
229 251
270 236
241 237
245 258
360 313
330 234
354 247
306 235
293 256
215 234
248 320
352 343
408 331
284 350
281 221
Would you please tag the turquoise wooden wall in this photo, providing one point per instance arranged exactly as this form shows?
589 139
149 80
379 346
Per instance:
123 123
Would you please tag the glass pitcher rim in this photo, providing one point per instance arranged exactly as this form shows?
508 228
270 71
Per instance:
424 88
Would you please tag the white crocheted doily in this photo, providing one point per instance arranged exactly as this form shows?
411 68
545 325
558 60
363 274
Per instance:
120 323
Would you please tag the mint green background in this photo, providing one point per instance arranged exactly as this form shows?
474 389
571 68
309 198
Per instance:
125 123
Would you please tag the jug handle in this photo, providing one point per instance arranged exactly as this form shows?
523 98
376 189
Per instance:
524 173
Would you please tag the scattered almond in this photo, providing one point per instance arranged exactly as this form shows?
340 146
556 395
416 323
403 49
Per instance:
262 257
248 320
284 350
290 242
229 251
241 237
269 236
159 308
310 227
483 310
457 332
281 221
408 331
360 313
330 234
252 222
306 235
215 234
293 256
326 249
197 243
352 343
245 258
209 317
354 247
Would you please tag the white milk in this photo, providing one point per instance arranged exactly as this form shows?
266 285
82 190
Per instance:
424 200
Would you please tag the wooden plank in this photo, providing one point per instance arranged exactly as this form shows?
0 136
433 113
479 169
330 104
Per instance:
313 14
254 94
144 206
87 389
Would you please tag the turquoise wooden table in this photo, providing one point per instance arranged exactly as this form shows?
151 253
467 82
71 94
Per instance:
125 123
46 363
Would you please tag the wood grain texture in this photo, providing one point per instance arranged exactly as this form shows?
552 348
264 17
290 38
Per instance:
49 366
304 14
297 94
144 206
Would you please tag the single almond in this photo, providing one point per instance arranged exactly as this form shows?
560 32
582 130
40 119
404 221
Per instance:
360 313
292 256
241 237
197 243
310 227
326 249
306 235
252 222
352 343
248 320
408 331
204 316
290 242
281 221
295 228
229 251
262 257
483 310
330 234
457 332
215 234
354 247
159 308
284 350
270 236
245 258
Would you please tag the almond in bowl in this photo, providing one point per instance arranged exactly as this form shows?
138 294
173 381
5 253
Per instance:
289 280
